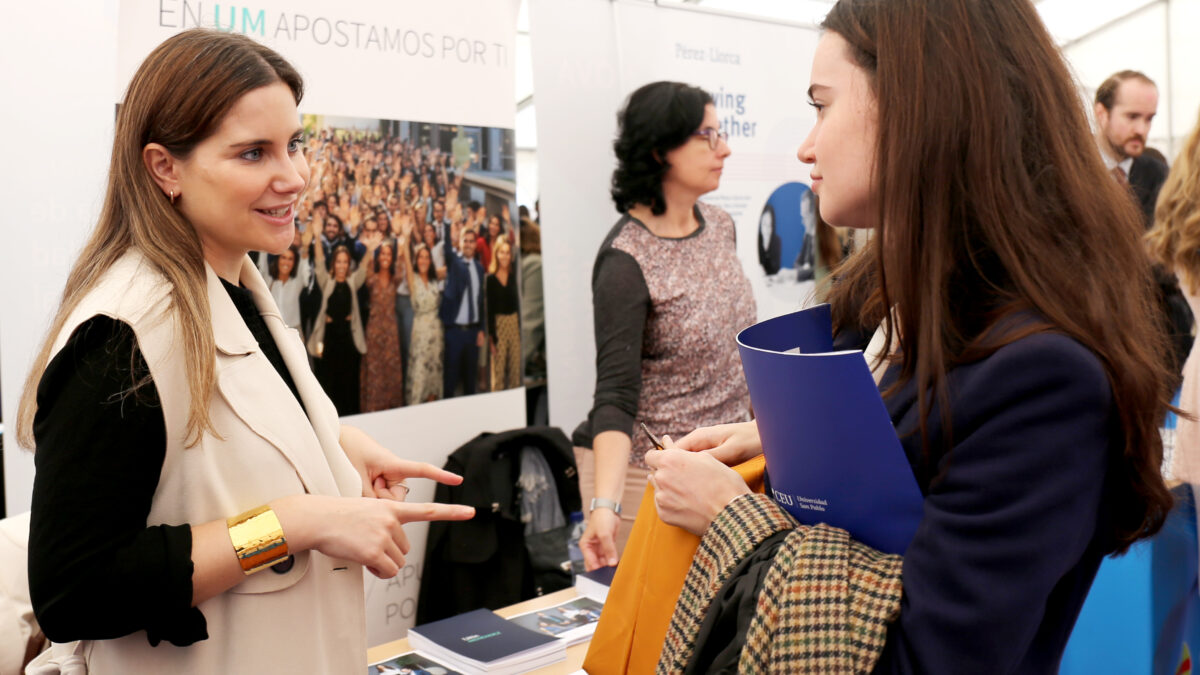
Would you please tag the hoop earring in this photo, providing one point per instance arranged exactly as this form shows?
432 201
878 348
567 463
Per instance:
172 198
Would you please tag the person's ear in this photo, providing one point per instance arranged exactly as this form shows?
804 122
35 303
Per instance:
1101 115
164 168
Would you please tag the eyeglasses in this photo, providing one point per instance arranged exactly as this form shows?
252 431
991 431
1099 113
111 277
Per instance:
714 137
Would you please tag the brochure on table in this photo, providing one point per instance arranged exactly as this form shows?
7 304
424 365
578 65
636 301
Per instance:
410 663
572 621
595 584
480 641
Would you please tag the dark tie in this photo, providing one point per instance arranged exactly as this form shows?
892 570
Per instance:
1119 174
470 292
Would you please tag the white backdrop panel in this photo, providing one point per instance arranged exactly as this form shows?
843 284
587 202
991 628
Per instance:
575 76
757 73
57 82
451 61
587 56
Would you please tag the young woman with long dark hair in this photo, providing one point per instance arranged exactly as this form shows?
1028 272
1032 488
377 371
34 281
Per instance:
382 371
1019 362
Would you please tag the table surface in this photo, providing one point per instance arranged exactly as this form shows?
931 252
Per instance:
575 653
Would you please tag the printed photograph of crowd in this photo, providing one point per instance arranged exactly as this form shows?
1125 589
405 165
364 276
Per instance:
561 619
403 275
411 663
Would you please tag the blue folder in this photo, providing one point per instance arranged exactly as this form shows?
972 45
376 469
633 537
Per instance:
832 454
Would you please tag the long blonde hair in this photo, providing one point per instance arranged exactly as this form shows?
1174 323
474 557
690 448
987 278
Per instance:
501 244
178 97
1175 238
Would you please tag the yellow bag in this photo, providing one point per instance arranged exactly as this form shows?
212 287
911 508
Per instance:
641 600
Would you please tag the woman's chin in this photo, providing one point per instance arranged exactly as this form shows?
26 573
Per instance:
277 246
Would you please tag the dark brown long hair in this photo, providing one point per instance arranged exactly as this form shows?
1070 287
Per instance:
993 201
178 97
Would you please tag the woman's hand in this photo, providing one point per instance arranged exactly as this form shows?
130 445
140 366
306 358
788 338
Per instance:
691 488
599 540
367 531
730 443
383 473
372 240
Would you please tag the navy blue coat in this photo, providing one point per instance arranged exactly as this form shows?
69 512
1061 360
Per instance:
1017 517
1016 525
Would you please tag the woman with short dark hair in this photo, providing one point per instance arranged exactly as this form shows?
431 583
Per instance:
668 291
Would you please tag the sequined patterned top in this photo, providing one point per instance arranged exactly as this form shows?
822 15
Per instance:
666 313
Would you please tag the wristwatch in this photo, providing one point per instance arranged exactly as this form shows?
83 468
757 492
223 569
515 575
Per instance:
601 503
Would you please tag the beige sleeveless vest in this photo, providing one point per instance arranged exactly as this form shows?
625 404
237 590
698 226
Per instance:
308 620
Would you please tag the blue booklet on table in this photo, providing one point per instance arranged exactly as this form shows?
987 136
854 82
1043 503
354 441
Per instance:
481 642
595 584
832 454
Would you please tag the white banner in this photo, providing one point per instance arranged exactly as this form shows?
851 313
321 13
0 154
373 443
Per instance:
588 55
385 80
756 73
439 74
449 61
420 77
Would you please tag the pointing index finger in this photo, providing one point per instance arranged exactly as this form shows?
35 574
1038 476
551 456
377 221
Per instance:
424 470
430 511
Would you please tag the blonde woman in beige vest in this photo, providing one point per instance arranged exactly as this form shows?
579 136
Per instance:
197 506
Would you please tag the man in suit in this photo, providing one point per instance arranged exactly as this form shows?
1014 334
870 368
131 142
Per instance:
1125 107
462 313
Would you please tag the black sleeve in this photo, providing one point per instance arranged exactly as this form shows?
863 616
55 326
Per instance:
96 571
514 297
447 252
620 303
493 303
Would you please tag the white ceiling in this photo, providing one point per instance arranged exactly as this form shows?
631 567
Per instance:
1067 20
1070 20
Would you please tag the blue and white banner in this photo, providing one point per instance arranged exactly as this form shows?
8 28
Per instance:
408 111
757 73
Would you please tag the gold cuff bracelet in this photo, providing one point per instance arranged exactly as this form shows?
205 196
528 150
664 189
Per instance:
257 539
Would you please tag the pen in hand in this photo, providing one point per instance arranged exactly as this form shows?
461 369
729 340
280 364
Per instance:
657 443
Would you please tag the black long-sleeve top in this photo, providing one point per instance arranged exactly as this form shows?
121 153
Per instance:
620 304
96 570
665 311
501 299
